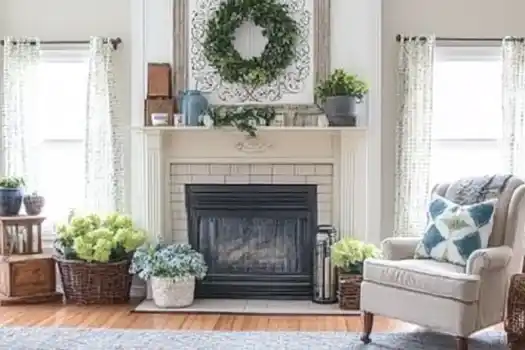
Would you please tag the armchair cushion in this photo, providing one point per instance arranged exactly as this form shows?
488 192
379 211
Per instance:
489 259
455 231
436 278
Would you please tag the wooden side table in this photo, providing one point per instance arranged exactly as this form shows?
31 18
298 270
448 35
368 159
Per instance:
515 320
21 234
26 275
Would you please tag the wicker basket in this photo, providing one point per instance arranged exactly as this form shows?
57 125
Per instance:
515 320
350 291
94 283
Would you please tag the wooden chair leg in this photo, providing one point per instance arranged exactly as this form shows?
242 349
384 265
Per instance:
368 323
461 343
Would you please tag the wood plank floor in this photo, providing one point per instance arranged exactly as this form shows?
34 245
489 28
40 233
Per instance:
122 317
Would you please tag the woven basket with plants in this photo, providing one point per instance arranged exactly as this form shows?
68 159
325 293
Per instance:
93 254
348 255
172 270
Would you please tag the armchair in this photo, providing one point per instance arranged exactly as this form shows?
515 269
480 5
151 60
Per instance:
444 297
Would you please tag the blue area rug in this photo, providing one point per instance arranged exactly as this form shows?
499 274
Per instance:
33 338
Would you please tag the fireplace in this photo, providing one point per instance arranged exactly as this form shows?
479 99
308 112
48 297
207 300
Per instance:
257 239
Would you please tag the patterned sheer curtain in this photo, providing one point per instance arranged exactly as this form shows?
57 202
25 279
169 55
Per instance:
414 127
20 60
104 170
513 51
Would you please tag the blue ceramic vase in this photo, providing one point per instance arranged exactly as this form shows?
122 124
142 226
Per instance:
10 201
193 105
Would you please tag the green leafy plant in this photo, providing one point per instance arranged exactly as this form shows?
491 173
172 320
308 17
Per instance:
245 119
348 254
12 182
94 238
279 28
176 261
341 83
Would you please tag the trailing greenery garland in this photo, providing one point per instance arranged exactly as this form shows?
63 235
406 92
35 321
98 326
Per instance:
243 118
279 28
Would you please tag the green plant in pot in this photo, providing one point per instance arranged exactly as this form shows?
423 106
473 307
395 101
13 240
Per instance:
11 194
348 255
172 270
93 254
339 96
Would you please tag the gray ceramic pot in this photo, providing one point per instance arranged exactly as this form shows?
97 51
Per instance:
341 110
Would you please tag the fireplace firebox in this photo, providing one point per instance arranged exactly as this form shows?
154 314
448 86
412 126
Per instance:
257 239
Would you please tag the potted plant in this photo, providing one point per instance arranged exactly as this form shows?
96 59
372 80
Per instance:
348 255
339 96
172 270
33 203
93 254
11 193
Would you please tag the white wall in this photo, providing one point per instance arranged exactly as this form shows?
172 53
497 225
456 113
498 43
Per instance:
445 18
76 20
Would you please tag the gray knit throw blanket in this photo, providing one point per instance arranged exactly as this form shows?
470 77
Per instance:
478 189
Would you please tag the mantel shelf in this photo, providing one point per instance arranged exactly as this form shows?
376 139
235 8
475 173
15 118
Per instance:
157 129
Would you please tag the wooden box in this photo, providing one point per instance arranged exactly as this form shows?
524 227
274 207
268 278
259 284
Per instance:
159 80
22 276
159 105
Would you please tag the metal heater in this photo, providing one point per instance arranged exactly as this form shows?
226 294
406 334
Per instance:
325 279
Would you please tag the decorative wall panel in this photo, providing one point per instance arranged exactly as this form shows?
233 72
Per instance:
296 85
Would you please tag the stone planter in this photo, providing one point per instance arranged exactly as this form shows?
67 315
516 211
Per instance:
34 204
169 293
341 110
10 201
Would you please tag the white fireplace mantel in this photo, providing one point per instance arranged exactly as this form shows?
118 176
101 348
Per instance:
345 149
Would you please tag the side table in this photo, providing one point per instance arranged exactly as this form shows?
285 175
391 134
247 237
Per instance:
515 319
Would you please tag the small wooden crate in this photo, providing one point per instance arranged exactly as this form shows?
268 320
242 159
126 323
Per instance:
159 105
349 291
27 279
21 235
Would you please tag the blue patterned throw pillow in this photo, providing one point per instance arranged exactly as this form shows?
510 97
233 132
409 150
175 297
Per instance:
455 231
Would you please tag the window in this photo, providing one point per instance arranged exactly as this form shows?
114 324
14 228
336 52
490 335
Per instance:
60 108
467 124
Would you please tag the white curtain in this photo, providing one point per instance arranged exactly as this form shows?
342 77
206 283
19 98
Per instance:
104 170
20 62
513 51
414 128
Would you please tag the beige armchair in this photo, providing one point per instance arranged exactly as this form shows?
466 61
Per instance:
443 297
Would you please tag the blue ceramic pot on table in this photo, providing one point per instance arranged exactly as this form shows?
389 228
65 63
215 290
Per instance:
193 105
10 201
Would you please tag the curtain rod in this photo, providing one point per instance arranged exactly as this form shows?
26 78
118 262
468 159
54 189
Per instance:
398 39
115 42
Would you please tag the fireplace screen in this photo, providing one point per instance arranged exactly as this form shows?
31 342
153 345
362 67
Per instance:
256 239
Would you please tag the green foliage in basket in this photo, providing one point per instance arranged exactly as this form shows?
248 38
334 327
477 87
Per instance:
341 83
12 182
93 238
177 261
348 254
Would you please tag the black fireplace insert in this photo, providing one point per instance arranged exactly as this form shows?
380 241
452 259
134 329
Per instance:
257 240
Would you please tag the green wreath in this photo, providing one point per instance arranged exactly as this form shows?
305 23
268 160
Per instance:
278 27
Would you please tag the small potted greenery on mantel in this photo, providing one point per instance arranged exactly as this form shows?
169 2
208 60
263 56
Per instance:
339 96
11 194
172 270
